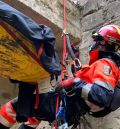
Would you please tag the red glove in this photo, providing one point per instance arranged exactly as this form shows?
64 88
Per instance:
64 84
67 84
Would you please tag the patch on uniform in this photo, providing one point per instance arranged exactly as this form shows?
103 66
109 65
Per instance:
107 70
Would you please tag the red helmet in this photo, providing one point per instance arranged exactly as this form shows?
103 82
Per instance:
109 33
108 37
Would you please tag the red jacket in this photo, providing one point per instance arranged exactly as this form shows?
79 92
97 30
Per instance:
103 72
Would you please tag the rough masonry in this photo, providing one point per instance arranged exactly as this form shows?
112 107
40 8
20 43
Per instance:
89 16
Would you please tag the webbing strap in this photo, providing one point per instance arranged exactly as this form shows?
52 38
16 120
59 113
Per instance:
40 50
37 89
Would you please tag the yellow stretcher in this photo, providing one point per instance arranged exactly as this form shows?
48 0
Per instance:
15 62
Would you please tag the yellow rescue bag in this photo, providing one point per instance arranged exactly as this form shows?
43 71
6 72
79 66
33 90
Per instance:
16 62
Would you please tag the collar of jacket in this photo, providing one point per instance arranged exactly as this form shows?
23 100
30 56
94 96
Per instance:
114 56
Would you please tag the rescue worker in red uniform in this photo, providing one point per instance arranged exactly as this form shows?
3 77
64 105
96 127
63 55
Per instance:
94 83
98 80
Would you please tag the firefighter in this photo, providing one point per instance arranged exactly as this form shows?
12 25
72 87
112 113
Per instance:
96 82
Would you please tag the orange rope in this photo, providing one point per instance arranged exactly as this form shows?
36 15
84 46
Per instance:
63 56
64 38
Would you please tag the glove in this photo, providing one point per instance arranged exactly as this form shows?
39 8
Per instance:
66 84
58 86
76 88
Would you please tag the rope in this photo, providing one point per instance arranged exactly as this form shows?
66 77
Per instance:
64 39
57 106
64 36
63 56
37 89
37 97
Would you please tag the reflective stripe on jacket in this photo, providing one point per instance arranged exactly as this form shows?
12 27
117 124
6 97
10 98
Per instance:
103 72
8 116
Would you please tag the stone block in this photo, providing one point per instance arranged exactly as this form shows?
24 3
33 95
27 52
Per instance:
89 7
102 3
113 10
92 21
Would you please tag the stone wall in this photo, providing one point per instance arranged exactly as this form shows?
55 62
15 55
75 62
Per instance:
95 14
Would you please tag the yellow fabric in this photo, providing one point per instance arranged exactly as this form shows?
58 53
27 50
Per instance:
15 62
